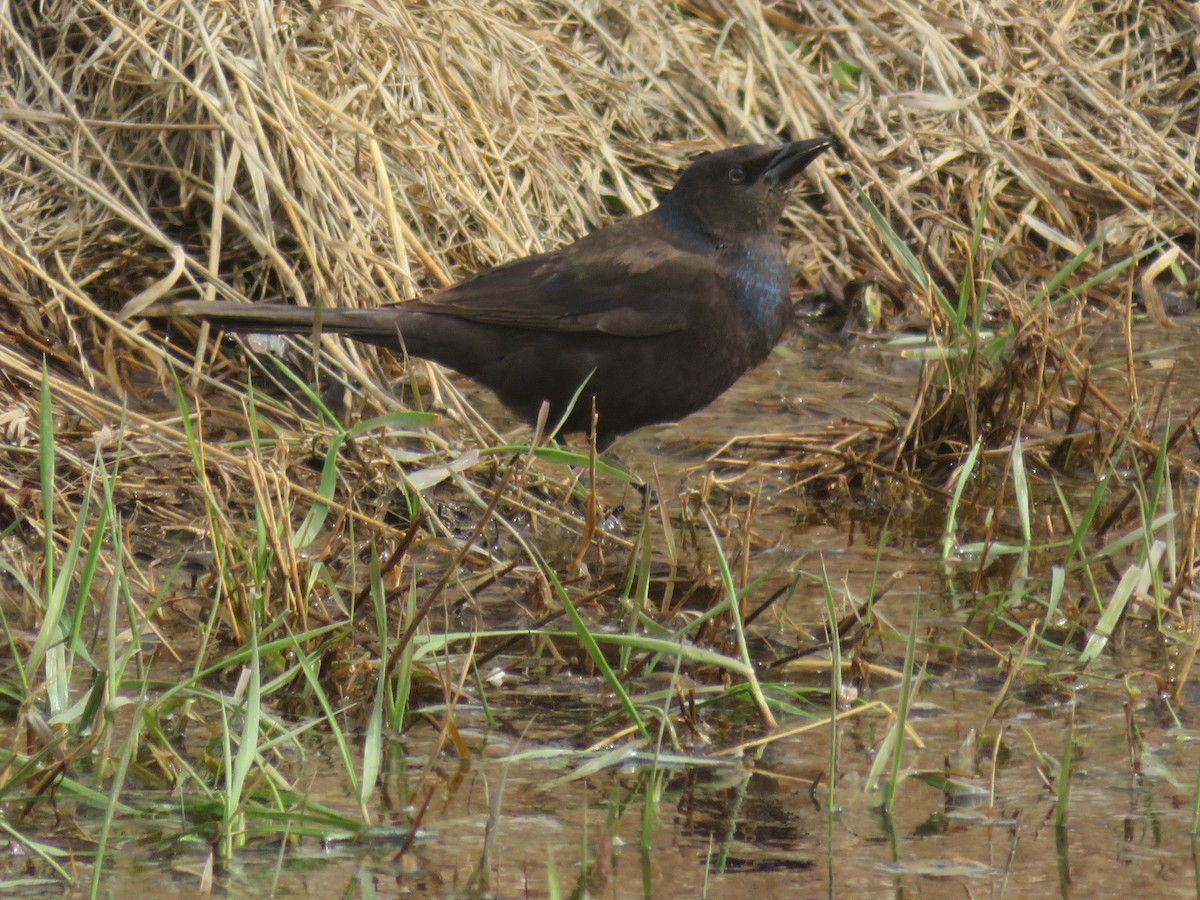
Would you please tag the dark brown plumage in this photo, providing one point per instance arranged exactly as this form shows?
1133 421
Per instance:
660 313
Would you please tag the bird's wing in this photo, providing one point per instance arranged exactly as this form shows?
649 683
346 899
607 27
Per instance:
618 281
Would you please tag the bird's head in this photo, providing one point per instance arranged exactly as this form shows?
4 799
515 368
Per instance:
740 191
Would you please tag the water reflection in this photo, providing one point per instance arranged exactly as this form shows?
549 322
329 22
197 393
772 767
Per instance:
991 722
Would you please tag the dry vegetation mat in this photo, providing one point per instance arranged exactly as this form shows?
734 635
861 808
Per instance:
1017 184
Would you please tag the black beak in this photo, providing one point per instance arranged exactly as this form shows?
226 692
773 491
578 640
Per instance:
791 159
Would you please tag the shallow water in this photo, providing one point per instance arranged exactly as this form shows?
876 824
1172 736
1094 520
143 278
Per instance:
760 821
758 827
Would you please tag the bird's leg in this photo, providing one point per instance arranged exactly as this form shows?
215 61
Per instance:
589 527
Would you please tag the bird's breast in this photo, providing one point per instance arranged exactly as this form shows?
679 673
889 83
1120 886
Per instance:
762 297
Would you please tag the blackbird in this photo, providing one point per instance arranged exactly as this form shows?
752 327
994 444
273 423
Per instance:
654 316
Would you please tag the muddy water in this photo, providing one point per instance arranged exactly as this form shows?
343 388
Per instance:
753 824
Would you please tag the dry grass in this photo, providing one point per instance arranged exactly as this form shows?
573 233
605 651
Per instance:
363 153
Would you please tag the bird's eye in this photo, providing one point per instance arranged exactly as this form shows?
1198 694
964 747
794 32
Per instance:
737 175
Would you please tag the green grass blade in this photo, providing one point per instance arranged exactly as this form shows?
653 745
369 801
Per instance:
735 615
906 695
588 641
835 687
908 260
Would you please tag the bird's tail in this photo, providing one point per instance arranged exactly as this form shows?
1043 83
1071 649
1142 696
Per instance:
377 326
